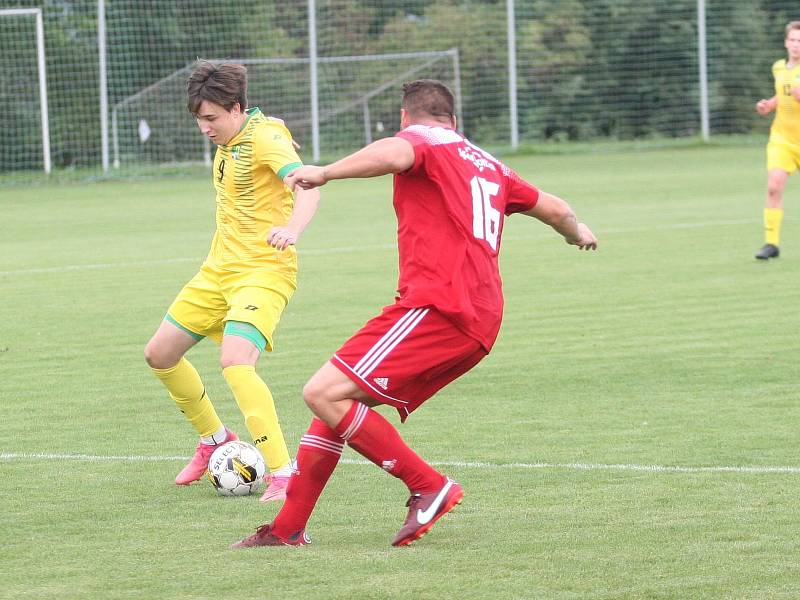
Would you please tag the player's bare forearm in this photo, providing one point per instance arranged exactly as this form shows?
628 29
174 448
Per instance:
556 213
575 233
767 105
305 206
389 155
566 225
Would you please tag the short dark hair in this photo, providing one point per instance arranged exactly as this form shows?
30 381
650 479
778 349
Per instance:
428 97
224 84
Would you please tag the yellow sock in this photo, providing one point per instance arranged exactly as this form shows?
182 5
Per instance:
186 389
256 403
772 225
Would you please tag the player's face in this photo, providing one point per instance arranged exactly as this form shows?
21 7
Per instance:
793 45
218 124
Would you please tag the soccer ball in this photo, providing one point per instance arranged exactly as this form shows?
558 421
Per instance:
236 469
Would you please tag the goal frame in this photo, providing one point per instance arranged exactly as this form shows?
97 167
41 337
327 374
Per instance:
432 57
42 69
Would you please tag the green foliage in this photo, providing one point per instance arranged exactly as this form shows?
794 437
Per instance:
734 93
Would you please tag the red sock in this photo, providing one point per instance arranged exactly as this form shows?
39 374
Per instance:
317 457
372 436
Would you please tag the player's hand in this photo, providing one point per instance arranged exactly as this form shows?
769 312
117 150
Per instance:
306 177
281 238
764 107
585 240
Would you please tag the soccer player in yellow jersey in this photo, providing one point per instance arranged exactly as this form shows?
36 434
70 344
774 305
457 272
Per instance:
247 279
783 148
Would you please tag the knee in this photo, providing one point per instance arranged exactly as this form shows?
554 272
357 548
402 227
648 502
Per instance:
238 351
314 395
226 360
237 359
158 357
774 191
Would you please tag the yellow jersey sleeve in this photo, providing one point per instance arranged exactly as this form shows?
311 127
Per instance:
786 125
273 147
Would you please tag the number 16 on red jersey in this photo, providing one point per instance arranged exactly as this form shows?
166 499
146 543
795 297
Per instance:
485 217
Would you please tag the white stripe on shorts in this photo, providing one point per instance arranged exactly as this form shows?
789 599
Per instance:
389 341
400 323
376 393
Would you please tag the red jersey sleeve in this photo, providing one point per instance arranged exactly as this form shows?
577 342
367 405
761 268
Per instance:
420 145
522 195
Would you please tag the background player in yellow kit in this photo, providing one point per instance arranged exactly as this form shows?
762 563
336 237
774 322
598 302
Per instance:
783 148
247 279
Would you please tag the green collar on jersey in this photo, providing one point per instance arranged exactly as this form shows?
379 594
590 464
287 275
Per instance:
250 112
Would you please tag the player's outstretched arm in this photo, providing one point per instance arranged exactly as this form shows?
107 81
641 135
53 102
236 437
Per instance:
388 155
555 212
305 206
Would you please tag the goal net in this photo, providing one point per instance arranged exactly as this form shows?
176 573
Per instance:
582 71
358 102
23 91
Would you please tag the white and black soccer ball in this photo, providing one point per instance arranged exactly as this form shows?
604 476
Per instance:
236 469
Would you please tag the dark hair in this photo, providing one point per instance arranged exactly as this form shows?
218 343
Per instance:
428 97
224 84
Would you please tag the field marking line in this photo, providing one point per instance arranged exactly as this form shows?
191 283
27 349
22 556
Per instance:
7 456
352 249
183 259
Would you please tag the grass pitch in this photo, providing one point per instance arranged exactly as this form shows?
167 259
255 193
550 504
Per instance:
632 435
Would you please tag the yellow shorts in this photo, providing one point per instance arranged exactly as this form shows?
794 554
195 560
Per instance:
781 156
214 296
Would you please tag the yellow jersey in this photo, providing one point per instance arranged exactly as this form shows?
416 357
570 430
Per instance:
248 177
786 125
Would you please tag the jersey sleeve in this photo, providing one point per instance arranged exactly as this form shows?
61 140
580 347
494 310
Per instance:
274 148
420 146
522 195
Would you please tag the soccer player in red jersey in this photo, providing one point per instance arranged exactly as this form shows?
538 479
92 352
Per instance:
451 199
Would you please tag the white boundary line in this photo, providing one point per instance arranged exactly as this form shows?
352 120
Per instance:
7 456
183 259
351 249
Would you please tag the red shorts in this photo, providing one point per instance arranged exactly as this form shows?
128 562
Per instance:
405 355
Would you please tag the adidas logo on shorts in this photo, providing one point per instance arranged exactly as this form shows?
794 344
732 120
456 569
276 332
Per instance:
383 382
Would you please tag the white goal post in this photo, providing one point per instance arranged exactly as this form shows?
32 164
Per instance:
40 56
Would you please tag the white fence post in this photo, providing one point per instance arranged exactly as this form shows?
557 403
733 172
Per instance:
701 59
101 50
512 74
43 90
312 55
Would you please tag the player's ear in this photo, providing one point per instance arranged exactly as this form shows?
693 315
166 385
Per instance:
404 120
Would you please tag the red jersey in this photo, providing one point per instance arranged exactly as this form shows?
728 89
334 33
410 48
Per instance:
450 207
